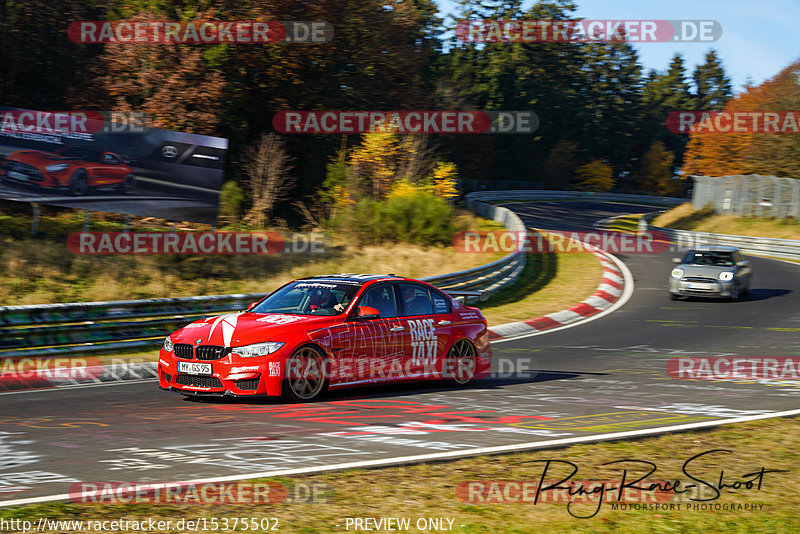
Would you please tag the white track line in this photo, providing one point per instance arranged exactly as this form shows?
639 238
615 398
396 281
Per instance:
451 455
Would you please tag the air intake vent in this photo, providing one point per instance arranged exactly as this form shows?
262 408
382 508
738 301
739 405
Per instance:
198 381
250 384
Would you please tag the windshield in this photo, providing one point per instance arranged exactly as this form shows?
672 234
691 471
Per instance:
309 298
718 258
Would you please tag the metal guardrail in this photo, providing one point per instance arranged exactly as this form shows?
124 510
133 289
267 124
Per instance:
70 329
764 246
534 194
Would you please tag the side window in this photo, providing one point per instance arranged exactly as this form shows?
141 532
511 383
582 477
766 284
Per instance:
441 304
416 300
108 158
382 299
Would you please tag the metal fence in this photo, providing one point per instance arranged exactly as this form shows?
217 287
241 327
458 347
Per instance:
749 195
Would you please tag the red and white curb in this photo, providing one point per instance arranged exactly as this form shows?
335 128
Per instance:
614 290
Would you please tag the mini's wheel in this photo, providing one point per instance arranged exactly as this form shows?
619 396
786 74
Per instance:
734 293
673 296
79 184
306 377
460 364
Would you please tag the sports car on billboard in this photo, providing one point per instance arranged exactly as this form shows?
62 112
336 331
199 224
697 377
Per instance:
74 168
329 332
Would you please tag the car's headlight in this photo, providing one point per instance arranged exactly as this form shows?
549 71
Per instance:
676 273
168 345
57 167
726 276
257 349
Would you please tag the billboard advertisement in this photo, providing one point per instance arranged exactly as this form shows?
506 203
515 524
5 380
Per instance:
111 162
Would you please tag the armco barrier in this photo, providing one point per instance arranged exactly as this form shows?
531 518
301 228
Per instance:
71 329
764 246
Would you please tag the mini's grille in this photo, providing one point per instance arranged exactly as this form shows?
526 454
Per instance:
198 381
700 279
249 384
210 352
183 350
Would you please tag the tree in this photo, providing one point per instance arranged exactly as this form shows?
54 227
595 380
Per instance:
266 167
655 174
596 175
712 85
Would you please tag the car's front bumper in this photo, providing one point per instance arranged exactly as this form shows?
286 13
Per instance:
712 289
229 376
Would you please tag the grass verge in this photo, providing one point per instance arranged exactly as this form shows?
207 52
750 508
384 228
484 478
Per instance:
685 217
551 282
429 490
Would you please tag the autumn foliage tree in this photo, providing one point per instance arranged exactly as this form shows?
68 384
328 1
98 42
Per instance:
720 154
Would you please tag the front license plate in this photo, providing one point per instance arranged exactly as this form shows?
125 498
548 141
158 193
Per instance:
698 286
192 368
17 175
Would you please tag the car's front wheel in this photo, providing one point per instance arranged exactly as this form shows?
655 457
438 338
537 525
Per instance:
79 184
306 377
734 293
460 364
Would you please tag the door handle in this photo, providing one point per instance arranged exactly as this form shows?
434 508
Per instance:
397 329
444 323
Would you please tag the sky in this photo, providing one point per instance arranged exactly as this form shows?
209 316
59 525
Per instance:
759 38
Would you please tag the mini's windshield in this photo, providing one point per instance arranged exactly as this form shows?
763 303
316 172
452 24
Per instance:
717 258
309 298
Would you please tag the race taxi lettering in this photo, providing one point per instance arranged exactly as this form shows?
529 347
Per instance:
423 341
274 369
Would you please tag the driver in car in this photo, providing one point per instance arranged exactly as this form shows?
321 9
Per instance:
324 299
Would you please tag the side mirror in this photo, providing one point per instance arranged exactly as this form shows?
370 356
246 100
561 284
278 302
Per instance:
676 260
366 312
252 305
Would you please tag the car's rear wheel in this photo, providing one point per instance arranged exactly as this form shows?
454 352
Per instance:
460 364
79 184
128 184
306 378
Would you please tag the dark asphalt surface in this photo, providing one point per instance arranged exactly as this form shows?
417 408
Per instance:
601 377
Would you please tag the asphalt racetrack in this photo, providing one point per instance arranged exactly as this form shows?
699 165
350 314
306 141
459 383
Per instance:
605 377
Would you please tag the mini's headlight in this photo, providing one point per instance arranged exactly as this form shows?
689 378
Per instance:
676 273
257 349
168 345
56 167
726 276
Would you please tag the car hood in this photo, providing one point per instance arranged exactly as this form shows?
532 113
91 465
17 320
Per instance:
704 271
36 157
244 328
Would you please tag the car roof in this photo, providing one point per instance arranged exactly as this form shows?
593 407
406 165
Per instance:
353 278
715 248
